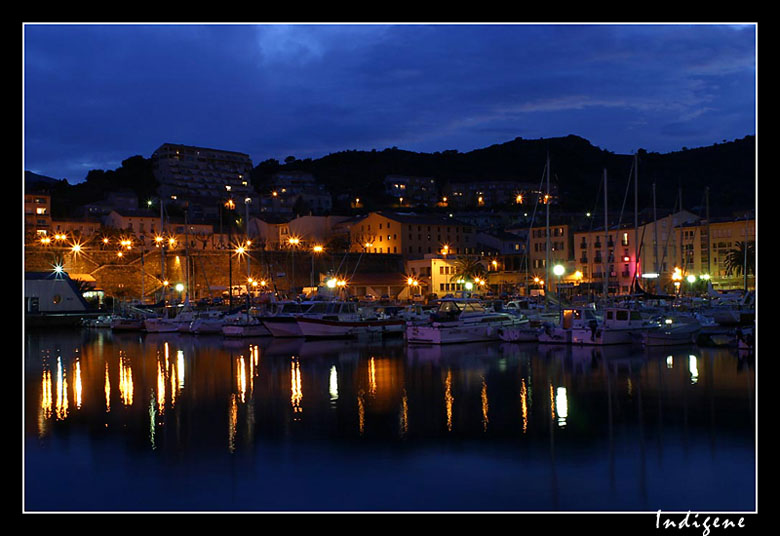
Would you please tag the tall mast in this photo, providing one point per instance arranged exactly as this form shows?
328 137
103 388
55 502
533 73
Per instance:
636 219
655 233
709 241
162 246
606 239
547 234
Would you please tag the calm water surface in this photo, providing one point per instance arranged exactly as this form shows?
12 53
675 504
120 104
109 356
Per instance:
159 422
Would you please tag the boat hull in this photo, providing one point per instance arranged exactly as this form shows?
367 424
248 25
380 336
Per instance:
321 328
445 333
245 330
282 326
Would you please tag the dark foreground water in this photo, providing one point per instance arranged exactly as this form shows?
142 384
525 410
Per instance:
142 422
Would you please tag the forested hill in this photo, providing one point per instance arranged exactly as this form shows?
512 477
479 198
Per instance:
577 168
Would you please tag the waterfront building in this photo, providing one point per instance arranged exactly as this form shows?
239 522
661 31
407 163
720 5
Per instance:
52 292
705 247
433 274
412 235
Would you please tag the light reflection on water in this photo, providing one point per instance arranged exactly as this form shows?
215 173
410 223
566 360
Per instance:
471 427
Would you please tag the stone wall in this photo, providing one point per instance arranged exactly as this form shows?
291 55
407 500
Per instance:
210 271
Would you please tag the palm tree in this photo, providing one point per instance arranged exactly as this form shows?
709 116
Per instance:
467 268
735 259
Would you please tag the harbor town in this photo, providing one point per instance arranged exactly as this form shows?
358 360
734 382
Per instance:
239 355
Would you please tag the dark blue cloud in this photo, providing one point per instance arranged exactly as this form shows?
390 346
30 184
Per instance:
96 94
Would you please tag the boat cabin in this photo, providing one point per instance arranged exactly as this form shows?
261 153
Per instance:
622 318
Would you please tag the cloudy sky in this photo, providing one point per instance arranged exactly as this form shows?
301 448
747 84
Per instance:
97 94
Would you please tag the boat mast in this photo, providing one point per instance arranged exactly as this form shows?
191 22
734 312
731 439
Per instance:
606 239
655 234
636 220
162 246
547 234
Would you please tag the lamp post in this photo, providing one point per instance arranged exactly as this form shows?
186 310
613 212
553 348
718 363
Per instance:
559 270
293 241
314 250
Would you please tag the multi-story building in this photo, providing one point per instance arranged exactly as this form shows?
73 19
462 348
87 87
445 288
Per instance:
656 248
459 194
705 248
289 190
412 235
188 172
145 225
411 191
37 213
561 249
433 274
76 227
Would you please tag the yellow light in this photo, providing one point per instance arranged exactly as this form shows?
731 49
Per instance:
75 248
105 240
263 283
165 283
254 283
240 250
578 275
519 199
341 283
495 263
318 249
119 254
409 281
294 241
331 283
275 193
158 239
171 241
368 244
45 240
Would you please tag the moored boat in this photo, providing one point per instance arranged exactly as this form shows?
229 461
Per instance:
462 320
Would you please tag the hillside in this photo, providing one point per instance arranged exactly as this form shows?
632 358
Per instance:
576 168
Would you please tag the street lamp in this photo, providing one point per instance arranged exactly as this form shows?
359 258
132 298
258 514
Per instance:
315 249
293 241
558 270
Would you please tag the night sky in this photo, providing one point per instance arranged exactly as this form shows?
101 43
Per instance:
97 94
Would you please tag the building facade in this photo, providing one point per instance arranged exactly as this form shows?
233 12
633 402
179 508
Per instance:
412 235
197 172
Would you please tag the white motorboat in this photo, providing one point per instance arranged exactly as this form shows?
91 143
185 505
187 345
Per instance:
282 321
244 325
342 319
126 323
521 333
207 322
160 324
581 325
671 331
462 320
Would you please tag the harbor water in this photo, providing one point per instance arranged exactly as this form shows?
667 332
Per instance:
169 422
